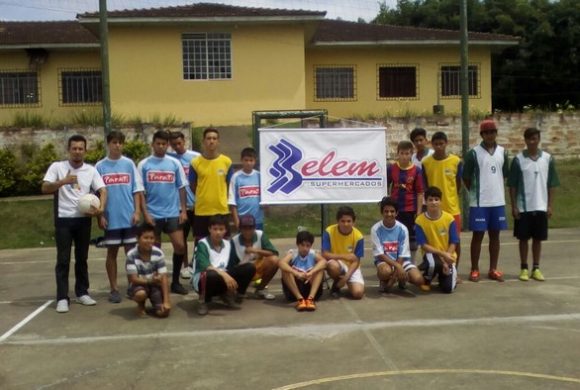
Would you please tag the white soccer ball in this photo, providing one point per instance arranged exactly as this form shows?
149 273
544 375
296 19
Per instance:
88 200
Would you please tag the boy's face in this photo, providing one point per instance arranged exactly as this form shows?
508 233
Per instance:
389 215
146 241
178 145
115 148
159 146
345 224
433 204
489 136
420 142
304 247
439 146
217 232
404 156
247 232
248 164
211 141
532 142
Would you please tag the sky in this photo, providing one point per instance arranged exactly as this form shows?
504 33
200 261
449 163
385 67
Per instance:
67 9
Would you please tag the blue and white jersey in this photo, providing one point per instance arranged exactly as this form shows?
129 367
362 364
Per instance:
185 160
393 241
244 193
303 264
123 181
162 179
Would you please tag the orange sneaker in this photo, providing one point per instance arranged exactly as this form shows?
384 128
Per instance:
474 275
301 305
310 305
495 275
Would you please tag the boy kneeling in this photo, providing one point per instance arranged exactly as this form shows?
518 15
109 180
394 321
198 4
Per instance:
147 273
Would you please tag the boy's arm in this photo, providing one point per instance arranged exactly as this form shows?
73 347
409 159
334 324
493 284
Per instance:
284 264
458 180
137 202
146 216
426 247
235 216
320 264
182 206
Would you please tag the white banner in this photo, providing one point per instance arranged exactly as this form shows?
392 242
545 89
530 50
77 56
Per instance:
322 165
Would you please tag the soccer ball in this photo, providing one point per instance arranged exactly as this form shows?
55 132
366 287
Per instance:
88 200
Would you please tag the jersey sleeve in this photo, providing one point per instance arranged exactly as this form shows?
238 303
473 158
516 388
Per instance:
267 245
97 183
51 174
553 180
232 198
181 181
359 249
515 173
453 236
192 177
404 247
420 235
459 170
419 182
137 179
377 244
325 242
230 173
201 257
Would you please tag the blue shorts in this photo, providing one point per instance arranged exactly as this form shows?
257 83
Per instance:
487 218
117 237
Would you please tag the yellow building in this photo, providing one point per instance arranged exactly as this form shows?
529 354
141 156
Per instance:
215 64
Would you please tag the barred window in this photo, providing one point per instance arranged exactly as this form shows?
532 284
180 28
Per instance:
450 79
207 56
19 88
397 81
81 87
337 82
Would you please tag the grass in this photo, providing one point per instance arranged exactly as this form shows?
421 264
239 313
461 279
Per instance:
29 223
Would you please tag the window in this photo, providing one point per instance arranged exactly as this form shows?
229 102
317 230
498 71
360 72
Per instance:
207 56
19 88
81 87
397 81
335 82
450 76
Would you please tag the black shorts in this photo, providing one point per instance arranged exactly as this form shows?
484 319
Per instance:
166 225
407 218
304 289
154 293
117 237
533 224
201 225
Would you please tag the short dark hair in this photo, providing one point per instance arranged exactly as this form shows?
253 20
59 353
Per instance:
176 135
116 135
439 136
217 220
404 145
77 138
416 132
433 192
249 152
211 130
161 134
388 201
144 228
530 132
345 210
304 236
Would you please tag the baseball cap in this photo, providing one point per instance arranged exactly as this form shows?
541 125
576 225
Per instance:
247 221
487 124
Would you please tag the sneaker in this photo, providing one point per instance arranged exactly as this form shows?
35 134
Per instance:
177 288
495 275
263 294
115 297
301 305
202 309
62 306
86 300
230 302
524 277
425 287
334 291
310 305
537 275
474 275
186 273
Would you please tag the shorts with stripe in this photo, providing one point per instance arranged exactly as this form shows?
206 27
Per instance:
356 276
482 219
117 237
166 225
432 266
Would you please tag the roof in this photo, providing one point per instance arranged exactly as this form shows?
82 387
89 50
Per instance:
342 33
205 11
45 35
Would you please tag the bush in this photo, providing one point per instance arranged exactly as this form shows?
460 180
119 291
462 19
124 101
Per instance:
32 172
8 169
136 150
95 154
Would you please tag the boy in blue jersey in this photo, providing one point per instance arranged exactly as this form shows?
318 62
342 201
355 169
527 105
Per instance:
391 249
302 271
177 141
164 201
244 191
123 209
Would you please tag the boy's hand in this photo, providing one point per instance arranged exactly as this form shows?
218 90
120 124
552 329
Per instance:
231 283
445 268
400 273
341 282
515 212
148 219
351 257
102 222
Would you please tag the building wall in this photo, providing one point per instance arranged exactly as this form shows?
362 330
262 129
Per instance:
366 61
49 106
147 74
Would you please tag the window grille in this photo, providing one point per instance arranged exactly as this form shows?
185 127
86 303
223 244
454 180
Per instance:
207 56
19 88
335 83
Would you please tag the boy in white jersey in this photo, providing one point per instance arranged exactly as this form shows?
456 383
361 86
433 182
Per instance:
147 274
177 141
302 271
532 181
484 173
418 137
244 191
164 201
123 210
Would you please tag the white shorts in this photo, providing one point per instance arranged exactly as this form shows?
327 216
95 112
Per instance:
356 276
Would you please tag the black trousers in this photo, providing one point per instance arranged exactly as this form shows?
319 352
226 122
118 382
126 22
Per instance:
69 231
212 284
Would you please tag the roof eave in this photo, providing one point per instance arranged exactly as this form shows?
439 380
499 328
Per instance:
50 46
412 43
218 19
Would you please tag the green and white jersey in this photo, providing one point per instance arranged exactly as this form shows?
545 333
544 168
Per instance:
532 179
259 241
487 172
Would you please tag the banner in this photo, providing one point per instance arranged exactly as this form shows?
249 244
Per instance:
322 165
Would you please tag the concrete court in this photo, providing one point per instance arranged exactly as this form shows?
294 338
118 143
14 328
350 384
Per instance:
485 335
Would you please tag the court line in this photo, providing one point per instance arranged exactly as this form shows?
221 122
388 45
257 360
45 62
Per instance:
317 331
19 325
432 371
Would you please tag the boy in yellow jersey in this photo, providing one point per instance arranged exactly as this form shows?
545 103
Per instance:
343 248
437 236
444 171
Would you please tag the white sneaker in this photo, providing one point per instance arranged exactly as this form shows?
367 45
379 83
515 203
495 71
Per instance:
186 273
62 306
86 300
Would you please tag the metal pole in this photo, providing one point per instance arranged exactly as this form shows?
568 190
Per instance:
104 40
464 84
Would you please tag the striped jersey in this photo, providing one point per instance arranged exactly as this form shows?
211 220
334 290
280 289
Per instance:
405 184
417 161
136 265
486 172
185 160
244 193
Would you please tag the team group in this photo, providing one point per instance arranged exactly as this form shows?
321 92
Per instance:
182 191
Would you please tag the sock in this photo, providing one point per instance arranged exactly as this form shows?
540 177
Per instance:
535 267
524 266
177 262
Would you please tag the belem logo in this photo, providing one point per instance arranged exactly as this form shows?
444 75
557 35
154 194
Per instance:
112 179
290 171
160 177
